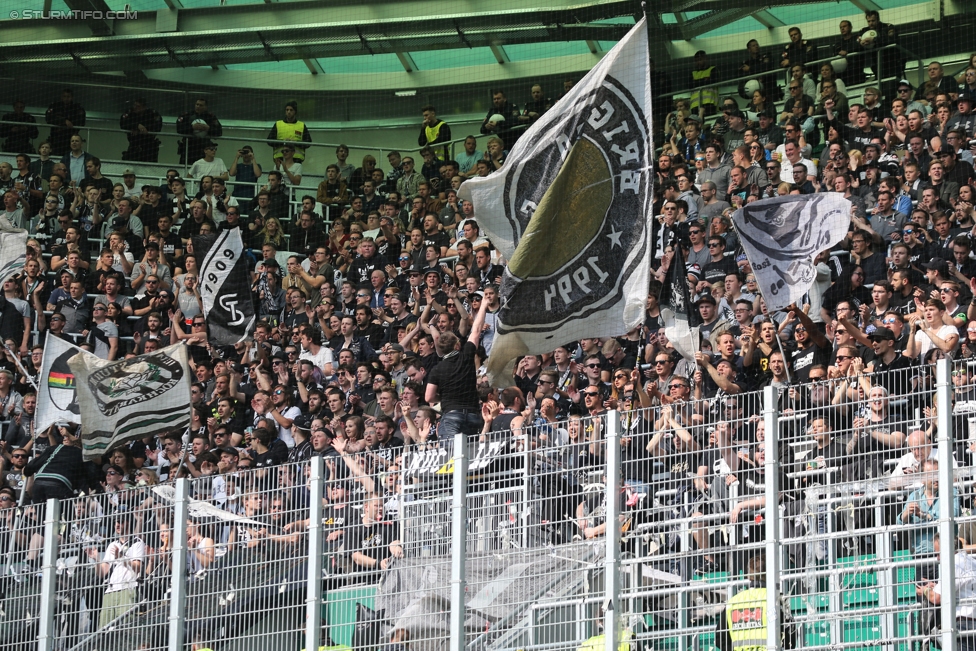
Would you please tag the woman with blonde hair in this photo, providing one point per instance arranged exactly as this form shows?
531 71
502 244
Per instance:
272 233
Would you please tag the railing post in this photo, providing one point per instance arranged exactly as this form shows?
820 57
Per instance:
773 542
313 596
177 593
46 633
611 563
947 523
459 539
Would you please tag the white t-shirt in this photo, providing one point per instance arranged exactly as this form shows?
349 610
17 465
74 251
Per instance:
202 168
284 433
925 344
786 172
320 360
123 577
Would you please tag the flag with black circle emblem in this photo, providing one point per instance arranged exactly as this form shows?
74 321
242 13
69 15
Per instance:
570 212
146 395
783 235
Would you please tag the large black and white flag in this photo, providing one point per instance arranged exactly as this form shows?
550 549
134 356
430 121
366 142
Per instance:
783 235
570 211
225 286
681 320
13 249
57 392
131 398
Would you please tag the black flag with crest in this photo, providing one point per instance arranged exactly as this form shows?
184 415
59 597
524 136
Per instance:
225 286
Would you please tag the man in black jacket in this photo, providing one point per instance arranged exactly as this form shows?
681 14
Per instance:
59 472
141 124
199 126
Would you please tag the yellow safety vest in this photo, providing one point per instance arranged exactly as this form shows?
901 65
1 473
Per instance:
290 131
433 132
703 96
745 614
598 642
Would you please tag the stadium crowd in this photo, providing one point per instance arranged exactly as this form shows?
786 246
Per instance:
377 299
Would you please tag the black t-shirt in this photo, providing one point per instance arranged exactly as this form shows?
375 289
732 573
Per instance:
372 540
338 518
456 380
715 272
440 239
804 359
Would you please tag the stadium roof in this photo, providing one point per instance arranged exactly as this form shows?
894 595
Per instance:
371 49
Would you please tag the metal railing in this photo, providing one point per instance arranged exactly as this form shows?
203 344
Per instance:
507 540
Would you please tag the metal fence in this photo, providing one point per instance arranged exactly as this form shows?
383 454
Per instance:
628 529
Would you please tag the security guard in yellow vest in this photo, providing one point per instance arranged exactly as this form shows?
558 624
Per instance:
704 100
292 130
433 130
742 627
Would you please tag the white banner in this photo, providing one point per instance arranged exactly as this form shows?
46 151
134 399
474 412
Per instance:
128 399
13 251
57 395
783 235
570 210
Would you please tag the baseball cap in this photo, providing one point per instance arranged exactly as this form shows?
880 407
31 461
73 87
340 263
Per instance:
883 334
967 96
707 298
937 264
903 83
128 172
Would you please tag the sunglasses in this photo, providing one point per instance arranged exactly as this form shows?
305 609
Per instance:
672 387
18 456
590 394
279 392
843 357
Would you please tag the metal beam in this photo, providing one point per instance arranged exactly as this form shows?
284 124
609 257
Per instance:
98 26
313 66
768 20
704 24
173 4
409 65
501 56
866 5
247 34
594 47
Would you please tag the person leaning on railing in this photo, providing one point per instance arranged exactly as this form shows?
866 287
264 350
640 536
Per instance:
60 470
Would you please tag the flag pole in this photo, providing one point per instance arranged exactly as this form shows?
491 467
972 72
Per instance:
20 367
779 342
